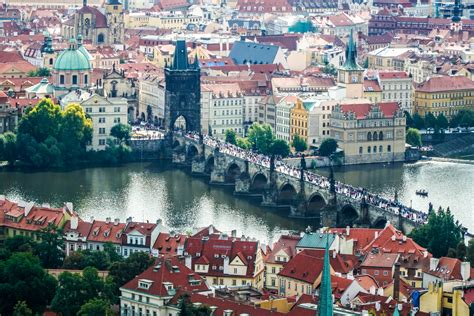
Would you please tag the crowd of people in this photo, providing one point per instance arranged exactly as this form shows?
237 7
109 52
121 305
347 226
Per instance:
356 193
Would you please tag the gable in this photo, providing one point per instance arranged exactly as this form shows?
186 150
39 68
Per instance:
96 100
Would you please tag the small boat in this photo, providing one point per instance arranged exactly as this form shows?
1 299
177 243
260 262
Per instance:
422 192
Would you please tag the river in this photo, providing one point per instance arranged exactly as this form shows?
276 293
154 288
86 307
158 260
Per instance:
153 190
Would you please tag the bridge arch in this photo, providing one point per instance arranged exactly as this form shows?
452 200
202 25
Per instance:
209 166
379 222
348 216
287 194
232 173
316 203
259 181
192 152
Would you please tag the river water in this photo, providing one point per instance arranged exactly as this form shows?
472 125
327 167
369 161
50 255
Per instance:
153 190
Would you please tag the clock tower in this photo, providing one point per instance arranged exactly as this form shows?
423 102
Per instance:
351 75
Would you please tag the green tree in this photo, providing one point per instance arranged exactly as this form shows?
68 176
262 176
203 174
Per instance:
430 120
75 133
49 249
121 132
261 137
8 147
279 147
298 143
19 243
41 121
186 308
243 143
464 118
328 147
22 309
439 234
230 136
418 121
23 279
442 121
40 72
409 120
96 307
329 69
413 137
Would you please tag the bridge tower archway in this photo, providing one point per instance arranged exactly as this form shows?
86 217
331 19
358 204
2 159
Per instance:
191 152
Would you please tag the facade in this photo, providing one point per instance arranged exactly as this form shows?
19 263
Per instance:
95 26
397 86
75 234
299 120
388 58
139 237
183 91
105 113
351 75
369 133
267 110
444 95
8 115
151 102
283 114
105 232
380 266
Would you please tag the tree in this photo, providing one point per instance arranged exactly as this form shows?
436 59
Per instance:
464 118
442 121
243 143
121 132
19 243
413 137
299 144
8 149
230 136
23 279
430 120
328 147
409 120
75 133
186 308
96 307
49 249
439 234
329 69
279 147
40 72
22 309
260 137
418 121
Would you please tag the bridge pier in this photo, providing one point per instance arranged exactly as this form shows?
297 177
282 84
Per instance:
179 158
198 167
242 186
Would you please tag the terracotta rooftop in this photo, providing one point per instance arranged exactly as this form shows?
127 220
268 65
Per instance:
447 83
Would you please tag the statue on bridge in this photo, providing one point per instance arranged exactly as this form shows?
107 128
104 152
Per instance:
303 167
272 163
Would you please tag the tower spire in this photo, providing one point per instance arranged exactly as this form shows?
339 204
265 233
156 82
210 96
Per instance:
325 307
456 12
351 54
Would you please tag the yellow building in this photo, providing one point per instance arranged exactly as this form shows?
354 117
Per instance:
283 251
170 21
445 302
372 90
299 121
444 95
369 133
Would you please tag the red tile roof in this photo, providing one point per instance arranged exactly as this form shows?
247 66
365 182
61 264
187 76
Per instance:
143 228
10 57
361 236
386 75
287 244
103 232
304 267
83 228
167 244
371 86
363 109
263 6
447 83
380 260
167 270
447 269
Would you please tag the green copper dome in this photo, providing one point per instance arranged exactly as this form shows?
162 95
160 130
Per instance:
72 59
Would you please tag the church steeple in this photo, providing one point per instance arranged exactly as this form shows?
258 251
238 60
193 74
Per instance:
456 18
325 306
351 55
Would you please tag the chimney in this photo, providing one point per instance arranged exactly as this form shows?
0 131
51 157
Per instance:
92 219
377 306
465 270
188 262
28 208
74 222
234 233
2 197
348 230
396 282
129 220
69 207
334 253
107 220
376 234
159 222
433 263
116 221
211 230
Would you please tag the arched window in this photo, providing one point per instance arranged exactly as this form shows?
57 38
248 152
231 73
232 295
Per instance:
380 135
375 136
368 149
369 137
51 61
389 148
360 150
380 148
100 38
74 79
86 79
375 149
61 79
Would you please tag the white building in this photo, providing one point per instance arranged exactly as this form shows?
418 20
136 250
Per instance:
397 86
151 102
282 124
105 113
140 237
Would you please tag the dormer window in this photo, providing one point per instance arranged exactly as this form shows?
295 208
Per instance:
144 284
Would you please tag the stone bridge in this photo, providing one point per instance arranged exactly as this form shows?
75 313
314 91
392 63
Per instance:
302 199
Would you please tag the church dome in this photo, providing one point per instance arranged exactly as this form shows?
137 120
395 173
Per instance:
72 59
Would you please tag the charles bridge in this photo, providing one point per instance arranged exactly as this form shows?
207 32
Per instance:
302 199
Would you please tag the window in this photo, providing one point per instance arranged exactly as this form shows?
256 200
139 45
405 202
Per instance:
116 109
102 109
368 149
389 148
380 148
102 130
369 137
117 120
360 150
61 79
375 149
234 282
88 110
101 119
376 272
86 79
385 273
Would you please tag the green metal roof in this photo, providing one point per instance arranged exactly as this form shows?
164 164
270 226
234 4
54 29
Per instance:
351 56
42 87
325 307
315 240
72 59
